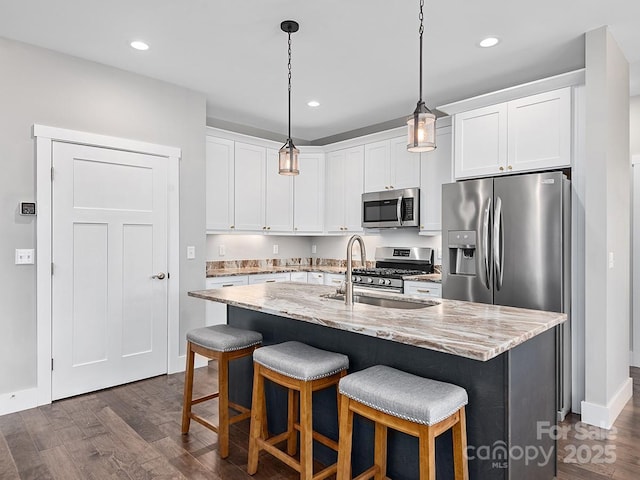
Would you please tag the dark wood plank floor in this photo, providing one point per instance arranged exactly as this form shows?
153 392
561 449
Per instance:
132 432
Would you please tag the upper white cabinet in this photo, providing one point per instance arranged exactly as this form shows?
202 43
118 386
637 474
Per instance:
344 187
389 166
220 183
278 197
249 185
531 133
308 207
436 170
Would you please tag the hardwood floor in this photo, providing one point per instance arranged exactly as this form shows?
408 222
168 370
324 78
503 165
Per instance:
132 432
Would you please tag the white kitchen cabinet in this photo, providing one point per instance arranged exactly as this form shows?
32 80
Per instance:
308 205
423 289
220 182
215 312
269 278
531 133
436 170
300 277
249 187
278 197
334 279
316 278
389 166
344 186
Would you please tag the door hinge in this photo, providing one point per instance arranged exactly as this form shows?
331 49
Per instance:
52 174
52 364
168 275
51 268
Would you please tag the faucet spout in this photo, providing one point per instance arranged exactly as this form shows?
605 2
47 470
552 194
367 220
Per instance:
348 287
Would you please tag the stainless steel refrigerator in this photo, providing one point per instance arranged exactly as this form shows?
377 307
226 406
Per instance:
506 241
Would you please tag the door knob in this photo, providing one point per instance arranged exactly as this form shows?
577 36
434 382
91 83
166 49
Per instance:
159 276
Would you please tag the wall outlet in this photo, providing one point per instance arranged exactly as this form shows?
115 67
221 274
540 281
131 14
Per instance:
222 251
24 256
191 252
439 253
314 249
610 259
275 249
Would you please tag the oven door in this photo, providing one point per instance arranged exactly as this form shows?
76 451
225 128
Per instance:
390 209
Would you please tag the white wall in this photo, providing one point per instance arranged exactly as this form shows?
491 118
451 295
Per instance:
607 230
634 134
48 88
634 124
256 247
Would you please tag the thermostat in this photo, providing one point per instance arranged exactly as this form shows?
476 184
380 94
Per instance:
27 208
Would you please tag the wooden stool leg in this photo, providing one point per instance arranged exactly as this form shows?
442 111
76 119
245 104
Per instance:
188 389
292 441
306 432
380 451
257 419
460 447
223 405
345 440
427 454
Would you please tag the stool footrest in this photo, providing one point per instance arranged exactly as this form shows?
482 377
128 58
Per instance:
268 446
205 398
318 437
203 422
367 474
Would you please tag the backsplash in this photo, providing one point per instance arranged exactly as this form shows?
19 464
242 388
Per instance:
280 262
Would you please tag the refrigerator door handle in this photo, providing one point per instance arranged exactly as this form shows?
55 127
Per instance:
485 244
498 243
399 209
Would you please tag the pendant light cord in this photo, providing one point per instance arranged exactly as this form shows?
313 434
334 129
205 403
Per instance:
289 67
421 32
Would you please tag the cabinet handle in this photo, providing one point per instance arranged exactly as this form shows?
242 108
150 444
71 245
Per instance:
295 228
421 227
423 291
227 284
268 228
264 228
391 187
386 188
336 281
510 167
502 169
269 281
233 226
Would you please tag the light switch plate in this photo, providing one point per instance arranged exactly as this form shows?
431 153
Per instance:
24 256
222 251
275 249
191 252
314 249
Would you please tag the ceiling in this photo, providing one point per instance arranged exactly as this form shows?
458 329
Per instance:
359 58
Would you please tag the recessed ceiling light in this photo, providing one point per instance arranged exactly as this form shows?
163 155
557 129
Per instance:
313 103
489 42
138 45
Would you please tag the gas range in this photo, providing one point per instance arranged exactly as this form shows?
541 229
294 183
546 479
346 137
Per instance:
392 265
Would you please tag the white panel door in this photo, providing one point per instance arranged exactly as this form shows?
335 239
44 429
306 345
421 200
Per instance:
109 316
279 197
308 206
376 166
404 166
219 170
249 184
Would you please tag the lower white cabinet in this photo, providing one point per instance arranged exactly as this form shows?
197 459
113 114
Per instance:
215 312
269 278
315 277
423 289
333 279
300 277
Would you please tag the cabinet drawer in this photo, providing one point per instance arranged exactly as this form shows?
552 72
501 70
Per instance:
220 282
423 289
333 279
299 277
269 278
315 277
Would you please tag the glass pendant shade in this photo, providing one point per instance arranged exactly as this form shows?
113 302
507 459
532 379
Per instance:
421 130
288 159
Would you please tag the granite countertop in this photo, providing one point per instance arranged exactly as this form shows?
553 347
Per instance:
229 272
430 277
472 330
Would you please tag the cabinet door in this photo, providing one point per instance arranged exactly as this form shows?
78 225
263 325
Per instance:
269 278
308 207
404 167
376 166
249 187
539 129
216 313
300 277
334 279
219 184
335 188
481 141
316 278
423 289
354 185
278 197
435 171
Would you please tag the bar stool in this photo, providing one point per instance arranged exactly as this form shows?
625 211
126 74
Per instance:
222 343
414 405
303 370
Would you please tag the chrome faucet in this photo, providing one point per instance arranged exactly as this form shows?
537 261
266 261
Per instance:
348 286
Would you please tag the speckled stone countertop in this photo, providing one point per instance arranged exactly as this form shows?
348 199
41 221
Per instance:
471 330
431 277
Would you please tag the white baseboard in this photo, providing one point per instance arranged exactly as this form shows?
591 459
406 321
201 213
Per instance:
604 416
18 401
179 365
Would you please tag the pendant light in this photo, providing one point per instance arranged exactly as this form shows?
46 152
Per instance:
422 124
288 155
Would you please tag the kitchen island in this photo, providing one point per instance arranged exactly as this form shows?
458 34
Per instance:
503 356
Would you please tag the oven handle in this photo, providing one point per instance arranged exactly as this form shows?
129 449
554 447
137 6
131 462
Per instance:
399 209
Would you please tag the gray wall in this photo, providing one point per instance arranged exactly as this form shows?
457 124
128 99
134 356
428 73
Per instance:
634 126
607 219
44 87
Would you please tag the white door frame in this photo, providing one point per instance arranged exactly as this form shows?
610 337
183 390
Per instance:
44 136
635 259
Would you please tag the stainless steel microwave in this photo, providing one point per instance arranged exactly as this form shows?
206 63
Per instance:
391 208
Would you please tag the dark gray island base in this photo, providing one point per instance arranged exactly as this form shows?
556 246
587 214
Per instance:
511 399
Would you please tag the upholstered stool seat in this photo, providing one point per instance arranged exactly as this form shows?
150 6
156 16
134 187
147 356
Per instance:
222 343
302 369
414 405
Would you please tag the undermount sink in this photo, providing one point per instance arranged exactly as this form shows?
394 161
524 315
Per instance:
384 302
